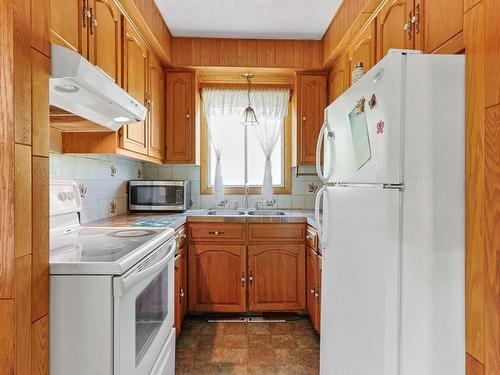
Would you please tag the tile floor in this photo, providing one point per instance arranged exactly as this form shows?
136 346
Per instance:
290 348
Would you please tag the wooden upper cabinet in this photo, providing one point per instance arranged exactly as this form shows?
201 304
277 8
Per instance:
442 20
181 148
311 103
134 137
104 33
391 22
276 277
362 50
338 79
217 278
69 24
157 109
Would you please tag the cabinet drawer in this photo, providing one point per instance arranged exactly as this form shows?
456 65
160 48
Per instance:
276 232
312 238
217 232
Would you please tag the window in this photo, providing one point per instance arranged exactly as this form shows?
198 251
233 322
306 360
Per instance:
239 151
233 157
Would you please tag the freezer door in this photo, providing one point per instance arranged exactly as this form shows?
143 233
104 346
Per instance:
360 282
367 150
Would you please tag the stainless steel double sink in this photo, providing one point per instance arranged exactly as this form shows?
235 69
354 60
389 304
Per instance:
240 213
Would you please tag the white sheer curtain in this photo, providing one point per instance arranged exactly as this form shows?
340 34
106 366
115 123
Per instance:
270 105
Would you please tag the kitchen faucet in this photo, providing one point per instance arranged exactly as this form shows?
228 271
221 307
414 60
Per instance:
247 204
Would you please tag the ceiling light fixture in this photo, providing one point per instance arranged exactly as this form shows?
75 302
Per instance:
249 117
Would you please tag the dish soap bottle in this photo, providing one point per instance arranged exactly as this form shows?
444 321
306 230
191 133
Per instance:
358 72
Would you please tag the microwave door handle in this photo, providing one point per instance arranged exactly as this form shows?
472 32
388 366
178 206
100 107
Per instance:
137 276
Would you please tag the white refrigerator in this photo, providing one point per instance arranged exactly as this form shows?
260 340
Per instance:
392 220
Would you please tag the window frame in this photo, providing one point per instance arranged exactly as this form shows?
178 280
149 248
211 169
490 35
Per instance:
206 189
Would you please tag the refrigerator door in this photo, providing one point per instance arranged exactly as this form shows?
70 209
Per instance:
367 148
360 282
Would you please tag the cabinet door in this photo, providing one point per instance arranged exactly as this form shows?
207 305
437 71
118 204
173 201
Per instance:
105 37
442 20
180 289
157 109
276 277
317 296
217 278
69 24
311 98
391 22
362 50
311 276
135 68
339 78
180 118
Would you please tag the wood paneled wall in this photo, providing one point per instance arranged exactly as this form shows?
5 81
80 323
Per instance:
24 164
481 30
292 54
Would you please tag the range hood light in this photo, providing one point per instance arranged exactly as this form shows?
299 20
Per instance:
67 89
121 119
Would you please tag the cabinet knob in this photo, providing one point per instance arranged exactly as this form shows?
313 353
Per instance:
243 278
309 237
312 291
316 295
304 118
188 115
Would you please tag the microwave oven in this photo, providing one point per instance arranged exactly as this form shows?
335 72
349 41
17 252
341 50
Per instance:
159 195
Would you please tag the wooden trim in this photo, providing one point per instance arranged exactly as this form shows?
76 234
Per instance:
452 46
473 366
242 85
205 189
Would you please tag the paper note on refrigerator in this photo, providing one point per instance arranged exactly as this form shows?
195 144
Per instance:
360 139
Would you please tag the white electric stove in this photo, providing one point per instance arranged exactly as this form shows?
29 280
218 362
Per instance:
112 290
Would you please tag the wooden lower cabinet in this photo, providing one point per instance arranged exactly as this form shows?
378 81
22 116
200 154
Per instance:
313 290
180 288
217 278
276 277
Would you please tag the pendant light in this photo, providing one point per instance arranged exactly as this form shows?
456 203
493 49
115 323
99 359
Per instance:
249 117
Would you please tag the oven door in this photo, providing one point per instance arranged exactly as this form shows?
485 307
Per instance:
144 311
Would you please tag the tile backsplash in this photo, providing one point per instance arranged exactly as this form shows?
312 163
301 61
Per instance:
303 194
102 178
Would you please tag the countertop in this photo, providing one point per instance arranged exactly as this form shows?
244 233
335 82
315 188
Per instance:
176 220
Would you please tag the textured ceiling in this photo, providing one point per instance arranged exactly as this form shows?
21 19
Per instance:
259 19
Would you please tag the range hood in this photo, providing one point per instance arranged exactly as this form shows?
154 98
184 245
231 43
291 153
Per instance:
81 88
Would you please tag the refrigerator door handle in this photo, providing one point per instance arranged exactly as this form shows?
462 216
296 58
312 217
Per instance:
320 223
323 175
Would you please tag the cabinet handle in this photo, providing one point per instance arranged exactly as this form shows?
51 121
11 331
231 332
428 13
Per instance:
84 13
312 291
309 237
304 118
243 279
181 293
93 21
250 278
188 115
216 233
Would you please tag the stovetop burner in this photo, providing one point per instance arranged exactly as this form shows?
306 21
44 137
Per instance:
131 233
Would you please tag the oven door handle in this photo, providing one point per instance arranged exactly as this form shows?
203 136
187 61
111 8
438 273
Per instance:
155 263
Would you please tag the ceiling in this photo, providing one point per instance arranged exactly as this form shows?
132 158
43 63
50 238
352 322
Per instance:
252 19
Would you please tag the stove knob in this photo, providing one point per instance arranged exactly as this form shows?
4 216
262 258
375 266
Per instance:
62 196
71 195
